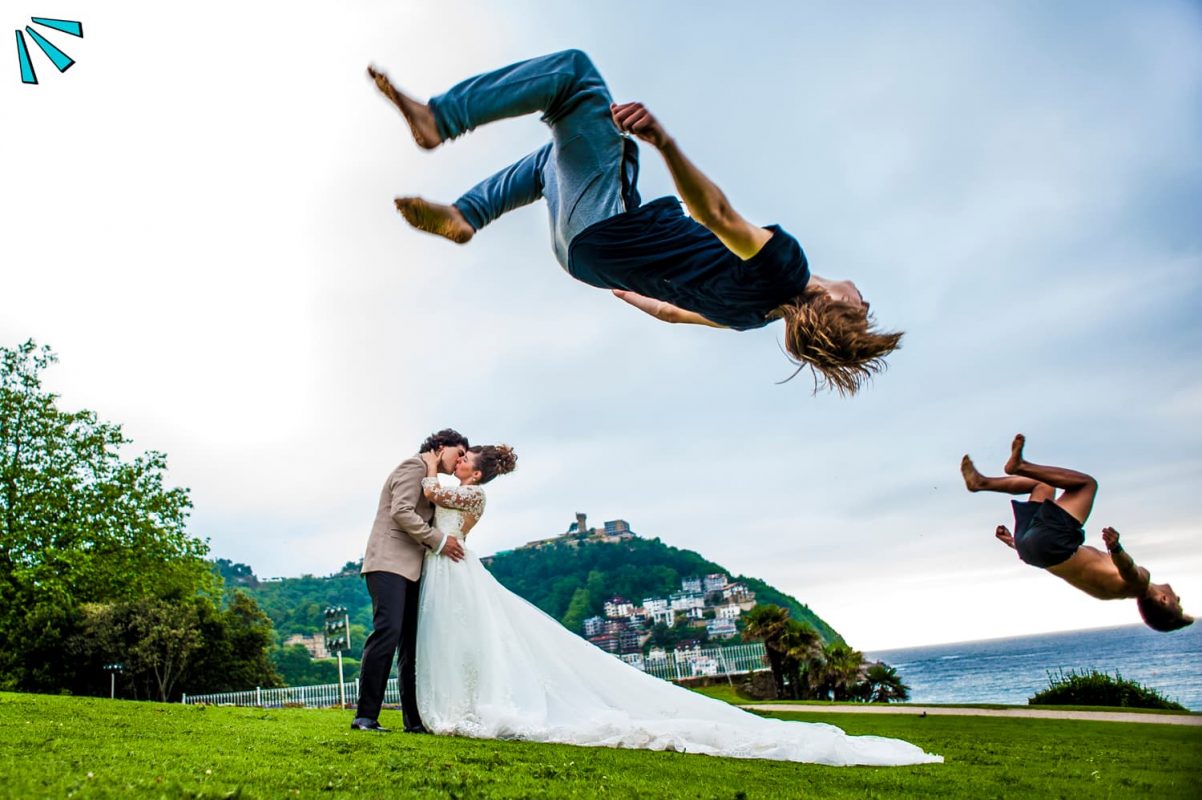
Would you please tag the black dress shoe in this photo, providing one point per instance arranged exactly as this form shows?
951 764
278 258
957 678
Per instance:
365 724
416 729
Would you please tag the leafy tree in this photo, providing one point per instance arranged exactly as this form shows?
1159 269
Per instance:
598 591
152 639
297 605
298 668
579 609
235 574
166 635
77 519
165 648
96 565
237 648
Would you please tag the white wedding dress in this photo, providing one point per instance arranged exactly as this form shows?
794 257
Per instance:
491 665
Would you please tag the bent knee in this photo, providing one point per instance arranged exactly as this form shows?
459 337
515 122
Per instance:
578 60
576 56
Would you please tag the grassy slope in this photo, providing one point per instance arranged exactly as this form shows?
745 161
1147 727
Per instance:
50 745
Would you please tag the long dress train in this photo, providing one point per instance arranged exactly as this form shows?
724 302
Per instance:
492 665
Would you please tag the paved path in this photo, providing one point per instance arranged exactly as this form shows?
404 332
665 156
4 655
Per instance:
944 711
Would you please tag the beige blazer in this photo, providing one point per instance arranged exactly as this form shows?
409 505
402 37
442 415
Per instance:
401 533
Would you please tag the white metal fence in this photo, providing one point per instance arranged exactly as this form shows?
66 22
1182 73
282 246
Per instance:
711 662
674 666
308 696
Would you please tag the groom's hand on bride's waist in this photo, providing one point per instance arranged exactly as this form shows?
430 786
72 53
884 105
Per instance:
452 549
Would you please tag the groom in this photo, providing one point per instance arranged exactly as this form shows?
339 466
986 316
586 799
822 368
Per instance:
392 567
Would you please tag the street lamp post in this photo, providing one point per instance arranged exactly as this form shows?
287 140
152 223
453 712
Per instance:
338 638
112 670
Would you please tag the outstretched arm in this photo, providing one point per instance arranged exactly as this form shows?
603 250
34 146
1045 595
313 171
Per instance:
662 310
707 204
1133 575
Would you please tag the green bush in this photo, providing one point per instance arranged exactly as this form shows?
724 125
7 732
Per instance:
1095 688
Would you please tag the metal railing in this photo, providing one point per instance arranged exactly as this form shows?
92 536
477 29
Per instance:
675 666
321 696
711 662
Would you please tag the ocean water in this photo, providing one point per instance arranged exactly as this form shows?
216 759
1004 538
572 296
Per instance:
1011 670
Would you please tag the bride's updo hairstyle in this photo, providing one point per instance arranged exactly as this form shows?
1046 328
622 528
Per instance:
493 460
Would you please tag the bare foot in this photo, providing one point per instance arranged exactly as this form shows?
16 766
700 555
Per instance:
435 218
1015 463
418 115
1004 536
974 481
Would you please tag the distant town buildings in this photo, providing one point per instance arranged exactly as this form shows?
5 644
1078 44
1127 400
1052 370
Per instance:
618 607
315 644
729 611
611 532
711 602
654 604
686 598
721 628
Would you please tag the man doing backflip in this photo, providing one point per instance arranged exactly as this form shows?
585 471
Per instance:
711 267
1048 534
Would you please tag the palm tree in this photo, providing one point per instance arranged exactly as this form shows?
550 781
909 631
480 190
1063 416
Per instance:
769 623
837 672
882 684
803 646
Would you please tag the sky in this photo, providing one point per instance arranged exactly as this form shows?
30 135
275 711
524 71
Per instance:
198 219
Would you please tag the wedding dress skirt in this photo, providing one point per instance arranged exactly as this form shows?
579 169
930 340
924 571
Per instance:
491 665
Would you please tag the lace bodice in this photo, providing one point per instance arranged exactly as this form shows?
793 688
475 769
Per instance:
452 502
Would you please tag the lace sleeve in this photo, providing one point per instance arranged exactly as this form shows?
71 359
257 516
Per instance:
469 499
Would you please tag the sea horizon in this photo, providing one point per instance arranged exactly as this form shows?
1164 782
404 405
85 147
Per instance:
1066 631
1009 670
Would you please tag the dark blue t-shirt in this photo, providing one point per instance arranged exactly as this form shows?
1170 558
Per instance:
659 252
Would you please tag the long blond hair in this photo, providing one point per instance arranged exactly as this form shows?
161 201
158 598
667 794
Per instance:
835 339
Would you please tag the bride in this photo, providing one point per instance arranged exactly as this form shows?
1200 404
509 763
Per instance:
492 666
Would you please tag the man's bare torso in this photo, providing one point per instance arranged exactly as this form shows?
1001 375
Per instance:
1093 572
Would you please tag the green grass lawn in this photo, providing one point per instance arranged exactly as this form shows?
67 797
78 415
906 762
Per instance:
87 748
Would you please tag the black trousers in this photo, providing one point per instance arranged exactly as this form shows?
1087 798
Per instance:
394 627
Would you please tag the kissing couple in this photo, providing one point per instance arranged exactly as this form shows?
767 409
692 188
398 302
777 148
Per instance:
485 663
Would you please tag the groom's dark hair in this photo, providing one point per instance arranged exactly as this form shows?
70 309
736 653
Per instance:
444 438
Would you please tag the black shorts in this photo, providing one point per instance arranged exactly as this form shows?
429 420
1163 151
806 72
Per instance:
1045 534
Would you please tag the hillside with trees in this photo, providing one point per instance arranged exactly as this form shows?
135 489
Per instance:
569 577
572 577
